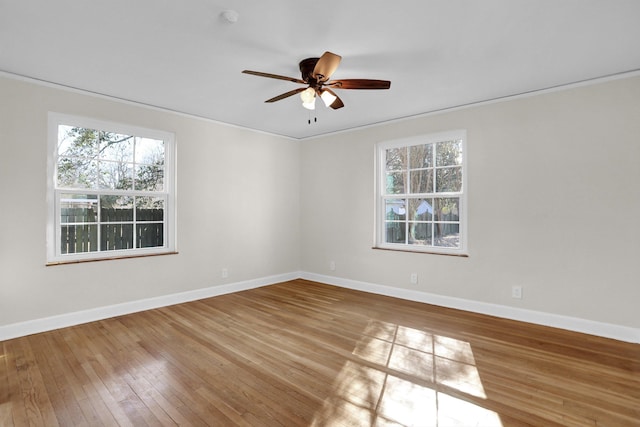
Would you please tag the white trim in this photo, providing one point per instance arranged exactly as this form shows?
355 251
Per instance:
381 196
55 120
606 330
591 327
490 101
71 89
99 313
515 96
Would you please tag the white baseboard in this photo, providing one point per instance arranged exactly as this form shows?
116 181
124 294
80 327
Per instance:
618 332
607 330
70 319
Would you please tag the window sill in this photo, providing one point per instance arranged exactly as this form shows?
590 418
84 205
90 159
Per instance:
81 261
461 255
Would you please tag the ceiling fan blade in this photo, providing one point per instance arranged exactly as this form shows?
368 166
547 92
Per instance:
274 76
359 84
286 94
326 66
337 103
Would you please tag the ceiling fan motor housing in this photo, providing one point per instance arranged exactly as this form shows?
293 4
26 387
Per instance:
306 69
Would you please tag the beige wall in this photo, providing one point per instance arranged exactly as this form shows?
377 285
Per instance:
238 202
554 205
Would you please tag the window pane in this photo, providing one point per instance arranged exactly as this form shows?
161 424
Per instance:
149 209
447 209
116 147
396 158
421 156
74 172
116 236
395 232
421 181
395 210
78 238
420 234
149 235
447 235
150 177
77 142
449 153
420 209
149 151
116 175
78 208
396 182
116 208
65 139
448 180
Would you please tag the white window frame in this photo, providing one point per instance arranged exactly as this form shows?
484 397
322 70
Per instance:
380 196
54 255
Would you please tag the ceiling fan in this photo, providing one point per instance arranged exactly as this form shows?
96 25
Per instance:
315 76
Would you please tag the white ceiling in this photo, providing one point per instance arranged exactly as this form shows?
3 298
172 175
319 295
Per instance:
183 56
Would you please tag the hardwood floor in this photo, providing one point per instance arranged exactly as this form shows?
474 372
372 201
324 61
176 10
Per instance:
306 354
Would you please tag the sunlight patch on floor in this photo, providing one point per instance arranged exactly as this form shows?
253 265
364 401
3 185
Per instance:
5 414
407 403
457 412
400 377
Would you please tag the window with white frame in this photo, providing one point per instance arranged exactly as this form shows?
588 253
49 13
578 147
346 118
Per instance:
421 194
110 190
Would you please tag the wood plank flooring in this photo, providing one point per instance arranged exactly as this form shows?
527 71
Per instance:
307 354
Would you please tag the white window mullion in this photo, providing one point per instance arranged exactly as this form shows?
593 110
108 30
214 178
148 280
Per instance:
99 225
434 169
57 224
135 222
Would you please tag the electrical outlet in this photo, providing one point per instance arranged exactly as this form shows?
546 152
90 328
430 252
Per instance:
332 265
414 278
224 273
516 292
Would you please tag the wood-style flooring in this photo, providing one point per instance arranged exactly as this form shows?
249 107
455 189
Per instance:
307 354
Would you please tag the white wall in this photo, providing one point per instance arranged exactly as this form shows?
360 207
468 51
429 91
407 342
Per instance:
554 205
238 208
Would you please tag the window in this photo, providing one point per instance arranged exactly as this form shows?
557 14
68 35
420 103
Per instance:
110 191
420 194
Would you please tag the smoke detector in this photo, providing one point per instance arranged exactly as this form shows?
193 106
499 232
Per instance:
231 16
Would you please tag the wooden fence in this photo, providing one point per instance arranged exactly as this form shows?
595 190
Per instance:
79 229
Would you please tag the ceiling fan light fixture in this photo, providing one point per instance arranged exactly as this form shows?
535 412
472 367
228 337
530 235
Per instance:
328 98
308 97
